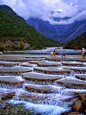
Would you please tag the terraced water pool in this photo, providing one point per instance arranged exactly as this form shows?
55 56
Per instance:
41 83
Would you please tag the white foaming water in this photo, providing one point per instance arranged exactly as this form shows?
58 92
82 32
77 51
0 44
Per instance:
44 109
51 96
45 104
3 89
66 91
20 78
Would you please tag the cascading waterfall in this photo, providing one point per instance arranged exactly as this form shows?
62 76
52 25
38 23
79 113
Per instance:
50 103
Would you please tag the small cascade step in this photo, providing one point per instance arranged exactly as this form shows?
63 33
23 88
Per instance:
17 69
19 59
36 56
24 59
65 59
11 80
6 94
41 76
52 70
69 82
9 63
81 76
73 63
43 88
68 91
27 65
36 62
49 64
42 97
80 69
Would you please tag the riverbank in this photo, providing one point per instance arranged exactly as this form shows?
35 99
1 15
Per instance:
10 109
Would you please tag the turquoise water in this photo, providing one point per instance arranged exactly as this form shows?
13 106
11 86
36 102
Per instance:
44 51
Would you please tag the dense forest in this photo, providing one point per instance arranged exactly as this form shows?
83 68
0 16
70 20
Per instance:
12 29
78 43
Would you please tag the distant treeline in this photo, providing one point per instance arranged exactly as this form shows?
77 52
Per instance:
78 43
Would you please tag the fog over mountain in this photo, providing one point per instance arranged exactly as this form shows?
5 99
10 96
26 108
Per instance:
49 10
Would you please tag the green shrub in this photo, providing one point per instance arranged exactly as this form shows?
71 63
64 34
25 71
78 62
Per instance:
21 47
2 48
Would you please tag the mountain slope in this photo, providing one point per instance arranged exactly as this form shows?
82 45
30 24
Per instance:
11 29
78 43
62 33
77 29
7 9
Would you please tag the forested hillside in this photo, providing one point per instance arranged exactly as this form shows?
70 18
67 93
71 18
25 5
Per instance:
78 43
14 30
8 10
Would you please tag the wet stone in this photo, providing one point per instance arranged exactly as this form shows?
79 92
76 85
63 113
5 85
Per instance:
80 69
11 86
81 76
66 59
84 101
68 82
27 65
52 70
74 113
41 76
11 80
77 106
15 69
65 113
42 97
19 58
9 63
49 64
6 94
72 63
82 96
36 62
43 88
10 74
74 92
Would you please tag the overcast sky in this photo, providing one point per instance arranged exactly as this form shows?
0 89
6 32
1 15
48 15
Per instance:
47 10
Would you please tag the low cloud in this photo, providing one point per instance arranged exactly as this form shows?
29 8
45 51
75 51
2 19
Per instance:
47 10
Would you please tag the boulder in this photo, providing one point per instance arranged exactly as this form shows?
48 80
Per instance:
84 101
77 106
65 113
85 111
74 113
81 96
